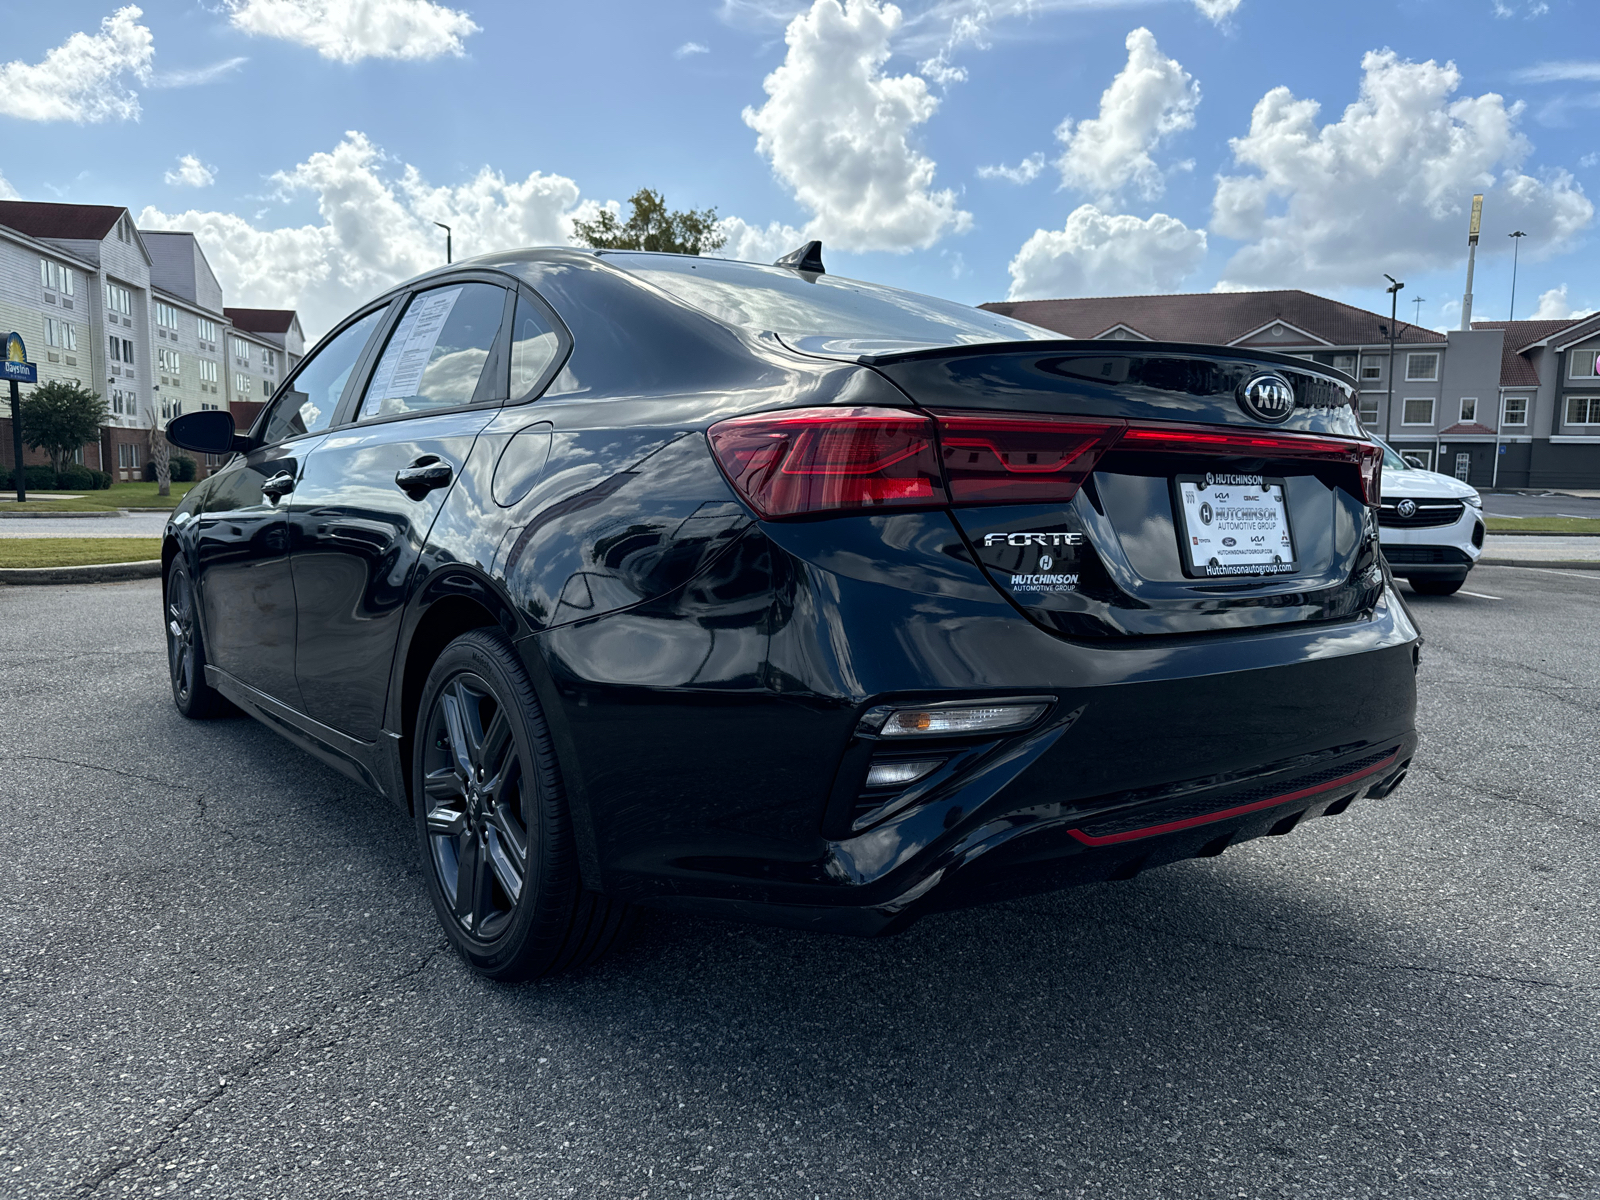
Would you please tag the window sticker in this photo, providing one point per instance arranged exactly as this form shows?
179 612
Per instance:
411 348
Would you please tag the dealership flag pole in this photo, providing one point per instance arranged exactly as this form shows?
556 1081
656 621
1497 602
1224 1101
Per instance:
1472 259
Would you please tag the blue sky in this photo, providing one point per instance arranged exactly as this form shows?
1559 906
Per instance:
967 148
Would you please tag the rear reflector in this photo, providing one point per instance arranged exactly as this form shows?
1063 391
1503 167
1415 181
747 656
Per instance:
953 720
814 460
819 459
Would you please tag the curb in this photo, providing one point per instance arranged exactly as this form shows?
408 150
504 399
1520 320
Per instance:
1494 533
97 573
44 516
1549 564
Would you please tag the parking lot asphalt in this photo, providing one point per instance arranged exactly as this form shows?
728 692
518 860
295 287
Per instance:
220 976
119 525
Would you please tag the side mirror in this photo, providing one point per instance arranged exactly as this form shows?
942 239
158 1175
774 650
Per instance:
208 432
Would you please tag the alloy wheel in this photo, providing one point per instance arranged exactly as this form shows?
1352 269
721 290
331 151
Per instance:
477 794
180 635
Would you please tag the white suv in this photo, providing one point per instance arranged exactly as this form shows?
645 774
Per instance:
1430 526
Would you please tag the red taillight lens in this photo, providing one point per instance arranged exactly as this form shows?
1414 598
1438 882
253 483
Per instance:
818 459
1020 460
1366 458
1371 475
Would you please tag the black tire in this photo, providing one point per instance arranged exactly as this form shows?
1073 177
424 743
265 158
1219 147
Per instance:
186 651
1436 587
492 821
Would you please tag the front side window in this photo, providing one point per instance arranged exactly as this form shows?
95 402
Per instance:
1583 364
1516 410
1417 412
437 355
1422 366
308 404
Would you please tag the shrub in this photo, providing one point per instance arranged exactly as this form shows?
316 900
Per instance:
38 479
76 478
181 466
102 479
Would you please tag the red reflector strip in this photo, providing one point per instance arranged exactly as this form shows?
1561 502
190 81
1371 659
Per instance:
1134 835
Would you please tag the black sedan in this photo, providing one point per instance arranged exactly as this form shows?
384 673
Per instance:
644 579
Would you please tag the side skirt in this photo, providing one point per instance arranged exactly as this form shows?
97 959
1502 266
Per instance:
361 761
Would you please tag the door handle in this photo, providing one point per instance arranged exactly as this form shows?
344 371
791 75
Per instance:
423 476
279 486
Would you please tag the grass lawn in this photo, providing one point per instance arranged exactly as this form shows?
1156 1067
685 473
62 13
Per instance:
76 552
1543 524
118 495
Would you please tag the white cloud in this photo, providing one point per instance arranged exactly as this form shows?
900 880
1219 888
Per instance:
1528 8
1559 72
1218 11
191 172
7 192
82 79
375 230
837 130
1100 254
197 76
348 32
964 27
1589 160
1387 186
753 243
688 48
1151 99
1025 171
1554 306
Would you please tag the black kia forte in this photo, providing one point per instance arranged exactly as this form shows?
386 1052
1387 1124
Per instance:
645 579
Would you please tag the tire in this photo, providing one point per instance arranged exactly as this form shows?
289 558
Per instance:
492 821
1436 587
186 651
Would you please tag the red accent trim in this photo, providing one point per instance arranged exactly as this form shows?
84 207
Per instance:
1173 826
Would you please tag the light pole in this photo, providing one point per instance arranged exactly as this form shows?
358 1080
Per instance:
1516 245
1394 328
447 246
1419 301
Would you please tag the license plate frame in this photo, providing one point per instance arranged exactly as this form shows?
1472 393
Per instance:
1259 507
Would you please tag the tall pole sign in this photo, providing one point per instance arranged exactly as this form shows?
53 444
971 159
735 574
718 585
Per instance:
16 368
1472 258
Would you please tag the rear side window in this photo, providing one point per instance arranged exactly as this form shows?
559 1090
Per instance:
308 404
439 353
534 346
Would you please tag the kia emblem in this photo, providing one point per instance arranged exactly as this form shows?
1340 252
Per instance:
1268 398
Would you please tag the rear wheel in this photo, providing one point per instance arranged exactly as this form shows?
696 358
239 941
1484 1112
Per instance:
186 651
1436 587
492 820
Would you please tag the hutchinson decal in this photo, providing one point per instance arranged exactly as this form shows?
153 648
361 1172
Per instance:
1047 583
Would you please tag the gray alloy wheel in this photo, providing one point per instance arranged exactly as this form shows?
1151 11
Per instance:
492 820
186 654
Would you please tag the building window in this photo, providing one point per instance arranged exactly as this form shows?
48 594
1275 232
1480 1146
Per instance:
1583 364
119 299
1371 366
1345 363
114 348
206 329
128 456
1417 411
1422 367
1369 410
1583 410
1469 409
166 315
208 370
1516 410
127 351
241 351
170 360
241 384
269 360
51 337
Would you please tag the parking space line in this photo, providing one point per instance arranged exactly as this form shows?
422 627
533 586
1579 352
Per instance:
1592 576
1479 595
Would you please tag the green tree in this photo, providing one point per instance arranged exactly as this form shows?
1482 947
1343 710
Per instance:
652 227
58 418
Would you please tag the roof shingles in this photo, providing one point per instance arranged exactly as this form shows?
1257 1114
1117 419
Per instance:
63 222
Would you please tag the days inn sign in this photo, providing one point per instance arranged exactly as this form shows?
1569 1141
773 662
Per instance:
15 366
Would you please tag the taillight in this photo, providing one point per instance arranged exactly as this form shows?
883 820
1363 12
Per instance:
818 459
1020 460
1205 440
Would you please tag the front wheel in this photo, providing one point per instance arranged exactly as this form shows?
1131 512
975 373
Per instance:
1437 587
492 820
186 651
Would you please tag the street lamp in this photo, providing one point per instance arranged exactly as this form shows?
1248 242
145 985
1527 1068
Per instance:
1516 245
1394 328
447 247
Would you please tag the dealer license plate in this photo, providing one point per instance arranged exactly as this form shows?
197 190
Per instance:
1234 525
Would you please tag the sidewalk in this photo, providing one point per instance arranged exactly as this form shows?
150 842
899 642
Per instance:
1529 550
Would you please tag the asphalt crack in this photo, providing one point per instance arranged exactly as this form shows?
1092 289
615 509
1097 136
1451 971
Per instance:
241 1073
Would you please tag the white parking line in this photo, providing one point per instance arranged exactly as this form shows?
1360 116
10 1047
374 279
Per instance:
1591 576
1479 595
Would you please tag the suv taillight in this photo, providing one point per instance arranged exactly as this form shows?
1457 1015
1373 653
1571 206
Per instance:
827 459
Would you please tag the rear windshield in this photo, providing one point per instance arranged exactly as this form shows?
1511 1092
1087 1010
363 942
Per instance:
801 308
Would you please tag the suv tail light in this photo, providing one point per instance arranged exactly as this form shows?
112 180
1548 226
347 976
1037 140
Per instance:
812 460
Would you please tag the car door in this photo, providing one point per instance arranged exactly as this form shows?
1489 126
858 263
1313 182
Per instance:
242 546
370 491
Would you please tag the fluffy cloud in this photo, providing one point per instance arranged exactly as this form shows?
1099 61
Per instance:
753 243
83 79
375 230
191 172
1218 11
7 192
689 48
1387 186
1554 306
1151 99
1025 171
1100 254
836 130
347 32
